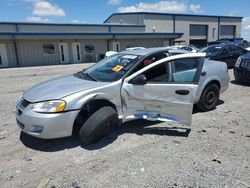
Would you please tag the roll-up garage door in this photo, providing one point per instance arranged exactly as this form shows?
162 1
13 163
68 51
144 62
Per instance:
227 31
198 30
198 34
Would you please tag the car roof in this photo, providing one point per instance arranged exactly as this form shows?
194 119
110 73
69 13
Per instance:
246 55
179 51
144 51
148 51
220 45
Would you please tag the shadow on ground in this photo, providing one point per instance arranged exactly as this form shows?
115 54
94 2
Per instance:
139 127
196 110
239 83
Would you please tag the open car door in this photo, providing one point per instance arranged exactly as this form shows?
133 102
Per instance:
164 90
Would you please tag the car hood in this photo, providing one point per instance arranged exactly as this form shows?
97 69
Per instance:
58 88
246 56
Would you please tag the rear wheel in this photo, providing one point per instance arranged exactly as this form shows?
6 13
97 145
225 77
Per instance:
209 98
98 124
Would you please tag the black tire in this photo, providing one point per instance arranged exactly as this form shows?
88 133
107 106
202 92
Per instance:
98 124
209 98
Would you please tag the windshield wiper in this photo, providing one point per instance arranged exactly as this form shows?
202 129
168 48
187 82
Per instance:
83 75
91 77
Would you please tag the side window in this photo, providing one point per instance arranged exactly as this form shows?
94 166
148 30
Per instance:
153 58
234 49
237 49
186 48
150 59
184 70
225 50
159 73
175 53
48 49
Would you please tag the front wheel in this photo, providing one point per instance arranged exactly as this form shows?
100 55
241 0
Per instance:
209 98
98 124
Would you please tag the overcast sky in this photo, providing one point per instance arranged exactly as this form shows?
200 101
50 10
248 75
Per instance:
96 11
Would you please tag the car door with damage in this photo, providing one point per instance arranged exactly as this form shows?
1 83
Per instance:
163 91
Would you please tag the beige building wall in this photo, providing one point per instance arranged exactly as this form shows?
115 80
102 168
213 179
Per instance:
31 52
59 28
231 21
115 29
165 23
182 24
127 19
125 43
158 23
10 50
7 28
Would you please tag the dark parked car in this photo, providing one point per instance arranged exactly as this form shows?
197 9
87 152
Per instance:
226 52
242 69
236 41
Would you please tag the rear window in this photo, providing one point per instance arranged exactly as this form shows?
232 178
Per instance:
211 50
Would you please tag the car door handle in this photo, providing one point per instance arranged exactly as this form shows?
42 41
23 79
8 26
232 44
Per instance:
182 92
203 73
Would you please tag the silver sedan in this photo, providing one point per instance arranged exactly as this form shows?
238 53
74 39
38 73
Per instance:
138 84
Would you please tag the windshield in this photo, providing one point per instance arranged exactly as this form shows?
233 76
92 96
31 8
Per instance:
211 50
112 68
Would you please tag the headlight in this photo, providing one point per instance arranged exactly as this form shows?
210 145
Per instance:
237 64
49 106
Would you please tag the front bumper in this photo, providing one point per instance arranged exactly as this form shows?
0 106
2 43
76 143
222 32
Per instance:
47 126
242 75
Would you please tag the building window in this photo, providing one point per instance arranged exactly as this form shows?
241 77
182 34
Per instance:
89 48
48 49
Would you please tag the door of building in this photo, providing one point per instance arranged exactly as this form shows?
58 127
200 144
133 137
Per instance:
64 52
116 46
77 52
3 56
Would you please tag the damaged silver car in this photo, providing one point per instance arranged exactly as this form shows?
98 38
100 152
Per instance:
140 84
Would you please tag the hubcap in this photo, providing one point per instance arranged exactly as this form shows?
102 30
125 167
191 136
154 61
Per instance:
210 97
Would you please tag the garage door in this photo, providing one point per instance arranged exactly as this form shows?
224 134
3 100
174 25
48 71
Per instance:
198 31
227 31
198 35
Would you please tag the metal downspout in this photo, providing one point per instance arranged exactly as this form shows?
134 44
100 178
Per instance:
218 28
113 37
15 46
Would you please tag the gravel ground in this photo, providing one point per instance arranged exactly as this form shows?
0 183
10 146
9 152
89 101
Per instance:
214 153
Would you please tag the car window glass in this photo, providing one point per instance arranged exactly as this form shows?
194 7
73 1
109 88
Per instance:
155 57
231 49
211 50
159 73
113 67
186 48
150 59
184 70
175 53
225 50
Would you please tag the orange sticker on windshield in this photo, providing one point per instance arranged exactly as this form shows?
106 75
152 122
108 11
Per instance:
117 68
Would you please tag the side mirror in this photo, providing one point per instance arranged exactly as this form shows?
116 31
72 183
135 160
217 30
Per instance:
139 80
